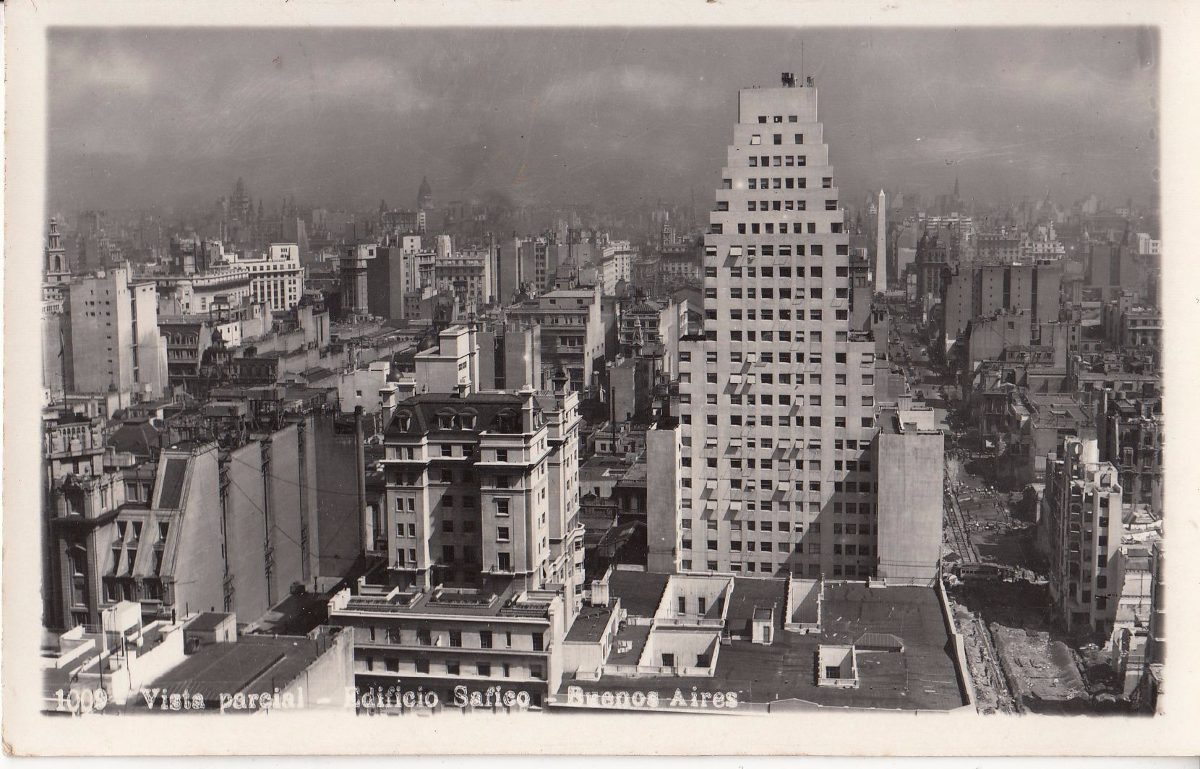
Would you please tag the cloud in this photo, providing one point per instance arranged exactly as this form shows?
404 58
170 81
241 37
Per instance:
80 69
647 87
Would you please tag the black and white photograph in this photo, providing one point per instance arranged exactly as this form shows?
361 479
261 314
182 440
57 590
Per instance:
772 369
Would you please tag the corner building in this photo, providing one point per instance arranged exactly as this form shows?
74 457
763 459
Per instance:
776 406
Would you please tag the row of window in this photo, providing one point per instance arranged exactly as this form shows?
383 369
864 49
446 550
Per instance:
784 183
783 421
765 483
866 360
776 161
756 139
812 571
740 462
814 316
783 399
788 293
487 639
767 546
814 444
455 667
782 527
768 228
785 205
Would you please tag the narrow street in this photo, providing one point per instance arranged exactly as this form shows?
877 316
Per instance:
989 558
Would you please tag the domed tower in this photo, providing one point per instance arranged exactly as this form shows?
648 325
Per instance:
424 195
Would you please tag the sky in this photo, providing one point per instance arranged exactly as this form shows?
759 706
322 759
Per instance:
344 118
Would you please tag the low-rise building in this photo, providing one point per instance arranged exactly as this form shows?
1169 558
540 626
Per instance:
198 664
700 644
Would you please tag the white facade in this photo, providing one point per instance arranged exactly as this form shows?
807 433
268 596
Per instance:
776 399
1148 246
881 244
277 277
198 293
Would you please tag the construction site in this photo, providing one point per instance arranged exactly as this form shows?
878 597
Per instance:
994 577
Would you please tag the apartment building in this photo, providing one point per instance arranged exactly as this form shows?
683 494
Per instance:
1131 438
653 328
982 290
201 291
467 275
470 483
352 267
776 404
484 562
572 332
1081 530
276 277
110 338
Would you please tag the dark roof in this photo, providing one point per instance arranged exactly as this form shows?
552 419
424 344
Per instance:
172 483
140 438
424 409
589 624
261 663
206 622
750 594
639 591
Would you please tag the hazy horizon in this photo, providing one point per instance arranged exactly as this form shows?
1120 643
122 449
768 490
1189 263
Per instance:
141 117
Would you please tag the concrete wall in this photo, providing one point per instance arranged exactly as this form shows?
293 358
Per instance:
246 524
385 283
662 499
199 565
291 502
324 683
909 504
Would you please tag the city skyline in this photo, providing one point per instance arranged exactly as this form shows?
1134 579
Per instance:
759 370
607 116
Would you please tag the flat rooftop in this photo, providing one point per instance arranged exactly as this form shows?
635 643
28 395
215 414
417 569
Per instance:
640 592
463 602
922 677
206 622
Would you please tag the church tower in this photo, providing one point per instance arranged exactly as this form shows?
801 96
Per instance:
56 267
424 196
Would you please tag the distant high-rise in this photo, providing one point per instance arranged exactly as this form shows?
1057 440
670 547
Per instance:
110 336
424 196
881 244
